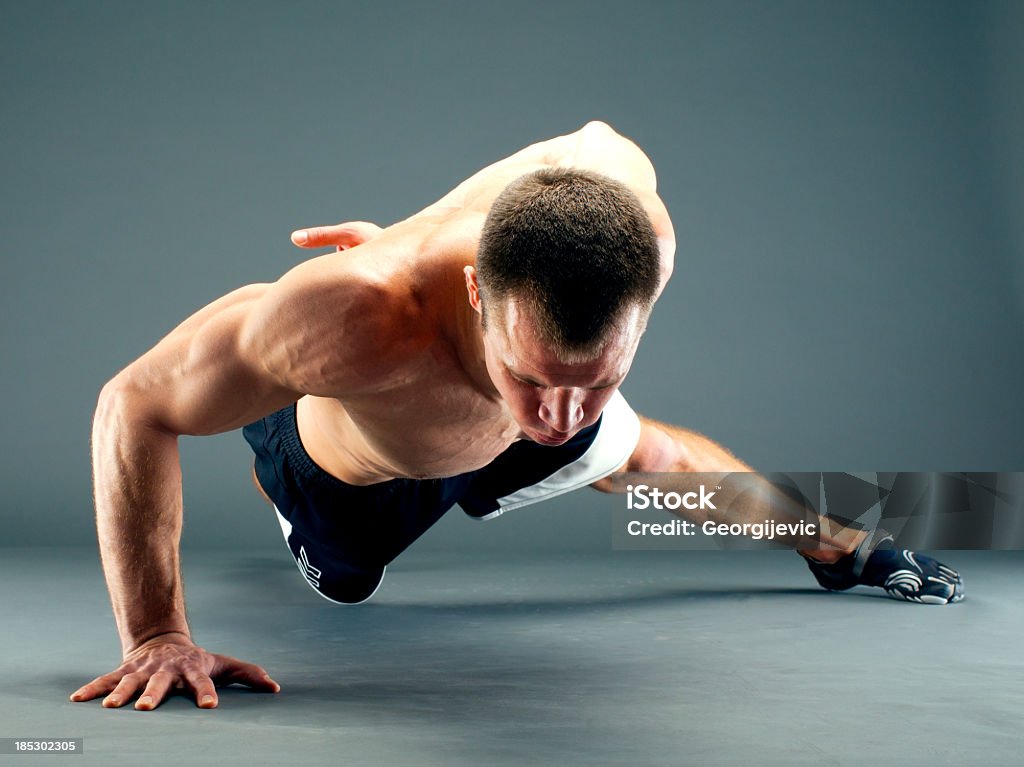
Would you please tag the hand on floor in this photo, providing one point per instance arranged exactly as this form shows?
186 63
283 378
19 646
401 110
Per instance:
171 662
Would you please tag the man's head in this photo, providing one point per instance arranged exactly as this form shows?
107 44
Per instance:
567 271
575 248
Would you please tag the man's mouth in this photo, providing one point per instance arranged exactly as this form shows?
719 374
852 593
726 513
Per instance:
546 439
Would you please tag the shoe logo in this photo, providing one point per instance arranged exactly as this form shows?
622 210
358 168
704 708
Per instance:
909 556
906 581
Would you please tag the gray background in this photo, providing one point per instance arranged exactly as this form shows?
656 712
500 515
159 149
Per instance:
845 180
847 184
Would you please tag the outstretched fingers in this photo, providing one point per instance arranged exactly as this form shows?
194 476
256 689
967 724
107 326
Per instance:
203 688
124 691
156 691
162 667
99 686
228 670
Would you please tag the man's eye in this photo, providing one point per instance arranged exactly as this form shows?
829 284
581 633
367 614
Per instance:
524 382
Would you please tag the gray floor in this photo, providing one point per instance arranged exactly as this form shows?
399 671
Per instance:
704 658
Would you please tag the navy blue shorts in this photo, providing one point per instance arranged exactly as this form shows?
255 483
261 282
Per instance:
343 536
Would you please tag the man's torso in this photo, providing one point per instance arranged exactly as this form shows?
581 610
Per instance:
433 414
432 418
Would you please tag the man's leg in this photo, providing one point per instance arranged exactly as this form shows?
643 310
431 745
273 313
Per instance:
330 578
341 536
259 487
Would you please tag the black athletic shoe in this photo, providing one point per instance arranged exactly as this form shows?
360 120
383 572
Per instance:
902 573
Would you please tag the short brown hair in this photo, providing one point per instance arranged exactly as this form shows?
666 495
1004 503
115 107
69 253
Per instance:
577 247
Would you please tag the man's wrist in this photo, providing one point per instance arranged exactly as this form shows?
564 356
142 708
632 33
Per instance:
173 635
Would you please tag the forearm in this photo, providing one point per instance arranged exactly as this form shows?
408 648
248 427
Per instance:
745 497
137 486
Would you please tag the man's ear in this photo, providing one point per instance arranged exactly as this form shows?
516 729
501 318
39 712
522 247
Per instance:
473 289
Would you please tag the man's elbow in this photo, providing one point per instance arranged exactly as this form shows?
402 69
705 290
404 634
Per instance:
122 400
113 395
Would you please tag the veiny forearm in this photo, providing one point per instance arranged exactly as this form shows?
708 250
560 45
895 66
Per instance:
137 486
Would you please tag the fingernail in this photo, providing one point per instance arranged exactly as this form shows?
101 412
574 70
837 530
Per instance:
112 701
146 700
300 237
207 700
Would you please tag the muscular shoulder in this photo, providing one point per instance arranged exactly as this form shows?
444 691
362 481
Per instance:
335 326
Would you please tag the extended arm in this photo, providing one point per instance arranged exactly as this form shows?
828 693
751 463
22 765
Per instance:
839 557
228 365
681 457
201 379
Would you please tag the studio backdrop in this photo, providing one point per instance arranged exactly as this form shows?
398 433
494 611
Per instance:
845 180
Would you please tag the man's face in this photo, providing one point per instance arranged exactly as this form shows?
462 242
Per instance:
552 400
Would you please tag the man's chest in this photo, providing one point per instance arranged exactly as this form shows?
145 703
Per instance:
437 430
433 426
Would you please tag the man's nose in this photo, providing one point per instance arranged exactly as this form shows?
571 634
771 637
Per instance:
562 409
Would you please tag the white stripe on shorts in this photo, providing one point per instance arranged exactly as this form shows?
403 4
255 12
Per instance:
616 439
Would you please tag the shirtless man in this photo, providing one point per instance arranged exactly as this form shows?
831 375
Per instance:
470 354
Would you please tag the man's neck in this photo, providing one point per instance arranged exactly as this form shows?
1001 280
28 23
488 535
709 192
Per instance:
468 338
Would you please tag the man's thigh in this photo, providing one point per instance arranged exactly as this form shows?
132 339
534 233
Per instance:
342 536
